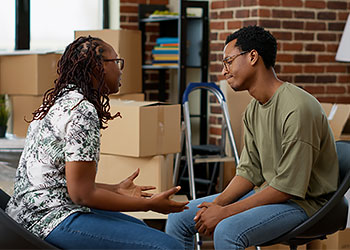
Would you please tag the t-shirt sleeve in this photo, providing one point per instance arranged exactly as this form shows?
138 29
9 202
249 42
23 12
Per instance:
298 156
82 136
249 164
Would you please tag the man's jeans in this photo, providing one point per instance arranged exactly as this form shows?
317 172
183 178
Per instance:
249 228
108 230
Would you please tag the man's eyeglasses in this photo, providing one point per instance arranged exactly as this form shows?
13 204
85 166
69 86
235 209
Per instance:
118 61
228 60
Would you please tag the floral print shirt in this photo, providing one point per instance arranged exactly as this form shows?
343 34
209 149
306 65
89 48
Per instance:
69 132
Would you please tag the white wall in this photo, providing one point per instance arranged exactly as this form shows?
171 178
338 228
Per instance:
7 25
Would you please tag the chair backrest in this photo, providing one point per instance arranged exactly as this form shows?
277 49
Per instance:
4 198
343 151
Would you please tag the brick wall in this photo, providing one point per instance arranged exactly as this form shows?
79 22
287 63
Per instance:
129 20
308 33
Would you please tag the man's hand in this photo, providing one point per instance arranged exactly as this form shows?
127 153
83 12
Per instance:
209 215
127 187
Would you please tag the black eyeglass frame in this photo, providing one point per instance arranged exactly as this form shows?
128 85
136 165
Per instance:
226 63
118 61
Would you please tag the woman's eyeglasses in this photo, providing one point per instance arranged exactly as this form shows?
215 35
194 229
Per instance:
118 61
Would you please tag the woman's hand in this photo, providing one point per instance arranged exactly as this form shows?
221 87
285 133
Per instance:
163 204
127 187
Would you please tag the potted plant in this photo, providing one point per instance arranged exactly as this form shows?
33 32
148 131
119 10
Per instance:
4 116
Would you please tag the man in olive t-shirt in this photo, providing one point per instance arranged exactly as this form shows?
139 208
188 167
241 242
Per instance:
289 154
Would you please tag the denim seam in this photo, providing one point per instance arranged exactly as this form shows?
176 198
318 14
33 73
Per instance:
276 216
98 237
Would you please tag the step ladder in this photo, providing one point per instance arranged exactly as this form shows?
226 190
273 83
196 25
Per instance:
208 153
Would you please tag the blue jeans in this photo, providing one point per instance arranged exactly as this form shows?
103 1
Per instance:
108 230
249 228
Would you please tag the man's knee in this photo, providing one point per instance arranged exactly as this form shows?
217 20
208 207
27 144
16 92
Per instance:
226 237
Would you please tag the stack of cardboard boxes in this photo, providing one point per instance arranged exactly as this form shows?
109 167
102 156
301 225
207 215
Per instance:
147 134
25 77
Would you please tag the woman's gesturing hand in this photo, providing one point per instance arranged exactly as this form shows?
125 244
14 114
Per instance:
127 187
163 204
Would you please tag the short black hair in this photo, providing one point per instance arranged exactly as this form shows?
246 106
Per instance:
256 37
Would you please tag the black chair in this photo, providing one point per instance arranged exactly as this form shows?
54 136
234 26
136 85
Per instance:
13 235
332 217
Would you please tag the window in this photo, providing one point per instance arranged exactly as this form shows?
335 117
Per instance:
7 25
53 22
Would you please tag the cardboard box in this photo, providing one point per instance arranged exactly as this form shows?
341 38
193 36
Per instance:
236 102
339 119
140 97
27 74
127 44
154 171
338 240
145 129
23 107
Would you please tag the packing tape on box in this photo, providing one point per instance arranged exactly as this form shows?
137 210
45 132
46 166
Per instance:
160 131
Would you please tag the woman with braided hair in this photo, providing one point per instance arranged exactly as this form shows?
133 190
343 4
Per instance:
55 195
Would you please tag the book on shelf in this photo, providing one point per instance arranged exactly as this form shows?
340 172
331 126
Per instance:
170 52
166 40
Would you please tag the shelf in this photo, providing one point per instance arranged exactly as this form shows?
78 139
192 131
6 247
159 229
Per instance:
165 19
159 67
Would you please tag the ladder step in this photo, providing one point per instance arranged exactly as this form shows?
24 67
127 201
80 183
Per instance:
212 158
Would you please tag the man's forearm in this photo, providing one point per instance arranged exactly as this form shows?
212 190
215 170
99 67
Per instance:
238 187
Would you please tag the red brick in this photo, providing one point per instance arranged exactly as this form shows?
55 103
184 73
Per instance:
224 35
249 2
304 36
304 14
215 67
266 23
304 79
129 9
218 5
129 26
304 58
340 5
343 99
284 58
312 89
214 15
163 2
294 3
280 35
315 26
269 2
332 48
315 47
336 68
343 15
242 13
213 57
250 22
344 79
234 25
336 26
336 90
326 78
282 13
327 99
292 69
233 3
326 37
285 78
326 58
225 14
293 25
213 36
264 13
313 69
315 4
217 25
292 46
326 15
216 46
215 109
215 131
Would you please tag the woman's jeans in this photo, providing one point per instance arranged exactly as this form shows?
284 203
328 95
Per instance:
108 230
249 228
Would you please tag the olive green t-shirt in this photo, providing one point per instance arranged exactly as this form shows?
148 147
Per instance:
289 146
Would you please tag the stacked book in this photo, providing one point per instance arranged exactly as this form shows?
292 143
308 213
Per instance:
166 52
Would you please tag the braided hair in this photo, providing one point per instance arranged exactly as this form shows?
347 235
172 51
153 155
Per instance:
81 61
